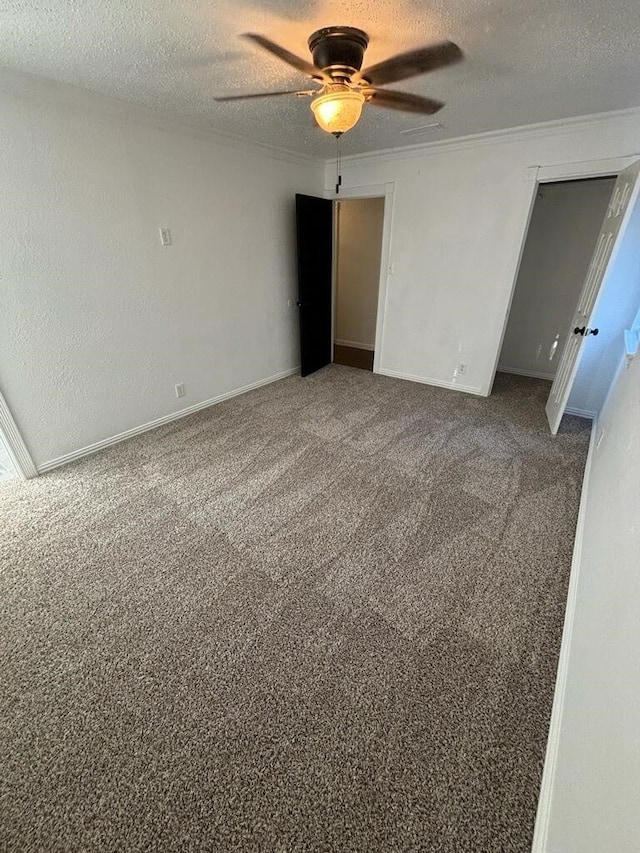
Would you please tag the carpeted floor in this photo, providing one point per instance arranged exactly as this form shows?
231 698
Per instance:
323 616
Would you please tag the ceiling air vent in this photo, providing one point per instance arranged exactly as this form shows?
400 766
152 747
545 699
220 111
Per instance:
435 126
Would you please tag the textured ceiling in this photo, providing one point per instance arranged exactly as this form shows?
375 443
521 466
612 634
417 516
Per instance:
525 61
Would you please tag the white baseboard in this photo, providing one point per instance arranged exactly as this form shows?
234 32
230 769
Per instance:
452 386
534 374
581 413
16 448
541 831
166 419
569 410
354 345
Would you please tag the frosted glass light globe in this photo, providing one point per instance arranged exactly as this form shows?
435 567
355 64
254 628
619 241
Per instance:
338 109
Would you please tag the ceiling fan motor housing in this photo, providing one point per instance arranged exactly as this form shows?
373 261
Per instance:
338 50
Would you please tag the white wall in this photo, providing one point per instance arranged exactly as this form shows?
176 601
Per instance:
358 270
615 311
460 213
596 786
98 320
560 242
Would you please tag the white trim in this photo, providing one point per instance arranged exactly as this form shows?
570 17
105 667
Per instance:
533 177
166 419
385 269
534 374
354 345
452 386
368 191
581 413
557 127
335 262
569 410
531 184
584 169
543 815
24 85
16 448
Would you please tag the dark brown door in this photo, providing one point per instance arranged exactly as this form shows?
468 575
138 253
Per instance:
314 226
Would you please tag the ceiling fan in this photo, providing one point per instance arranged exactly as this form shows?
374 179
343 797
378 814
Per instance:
344 88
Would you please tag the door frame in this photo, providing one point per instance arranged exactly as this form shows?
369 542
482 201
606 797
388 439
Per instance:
385 191
533 177
17 449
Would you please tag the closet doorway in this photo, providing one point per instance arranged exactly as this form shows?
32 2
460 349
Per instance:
358 252
562 234
583 355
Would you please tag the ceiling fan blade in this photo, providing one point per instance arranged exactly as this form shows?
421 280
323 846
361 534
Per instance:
264 95
412 63
402 101
286 56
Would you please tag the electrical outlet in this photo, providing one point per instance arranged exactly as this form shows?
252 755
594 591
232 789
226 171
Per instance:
180 389
462 368
165 236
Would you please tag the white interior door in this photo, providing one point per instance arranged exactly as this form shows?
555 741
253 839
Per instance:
623 199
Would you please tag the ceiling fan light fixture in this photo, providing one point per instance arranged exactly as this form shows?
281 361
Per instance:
338 109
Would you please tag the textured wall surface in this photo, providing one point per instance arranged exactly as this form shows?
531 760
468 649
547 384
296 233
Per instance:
595 796
460 214
358 270
560 242
99 320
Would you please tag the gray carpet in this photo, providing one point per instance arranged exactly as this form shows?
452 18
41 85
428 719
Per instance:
324 616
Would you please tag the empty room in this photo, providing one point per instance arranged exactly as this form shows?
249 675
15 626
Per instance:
319 427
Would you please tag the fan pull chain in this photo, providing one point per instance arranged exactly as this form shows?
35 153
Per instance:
338 163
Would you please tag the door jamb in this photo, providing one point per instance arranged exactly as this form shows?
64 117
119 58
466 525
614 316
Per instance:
533 177
16 448
335 209
385 191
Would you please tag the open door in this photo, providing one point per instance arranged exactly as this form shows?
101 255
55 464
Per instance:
623 199
314 227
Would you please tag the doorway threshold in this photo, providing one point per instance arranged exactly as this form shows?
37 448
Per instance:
353 357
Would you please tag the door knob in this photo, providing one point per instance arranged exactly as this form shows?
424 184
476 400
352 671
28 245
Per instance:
582 330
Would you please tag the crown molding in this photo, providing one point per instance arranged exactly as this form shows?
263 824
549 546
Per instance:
31 86
21 84
557 127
